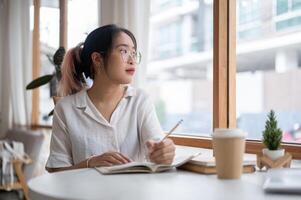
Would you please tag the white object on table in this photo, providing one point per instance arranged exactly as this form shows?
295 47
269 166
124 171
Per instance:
285 180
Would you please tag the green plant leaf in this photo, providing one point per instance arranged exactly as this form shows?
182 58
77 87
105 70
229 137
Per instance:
59 56
51 113
39 81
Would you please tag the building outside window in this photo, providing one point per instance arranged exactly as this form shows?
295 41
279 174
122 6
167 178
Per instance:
268 70
168 44
287 15
179 73
268 67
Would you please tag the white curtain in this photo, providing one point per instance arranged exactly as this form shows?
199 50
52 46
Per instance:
133 15
15 63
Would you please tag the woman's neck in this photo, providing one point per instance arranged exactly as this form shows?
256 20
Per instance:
105 92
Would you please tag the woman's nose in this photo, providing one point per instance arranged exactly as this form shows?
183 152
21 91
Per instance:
131 60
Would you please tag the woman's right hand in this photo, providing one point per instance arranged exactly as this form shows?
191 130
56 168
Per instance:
108 159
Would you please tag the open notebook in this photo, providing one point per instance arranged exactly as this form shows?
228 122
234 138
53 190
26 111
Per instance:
144 167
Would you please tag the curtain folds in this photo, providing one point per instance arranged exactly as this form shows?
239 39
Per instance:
15 63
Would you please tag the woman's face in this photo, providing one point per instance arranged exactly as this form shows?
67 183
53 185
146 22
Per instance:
121 65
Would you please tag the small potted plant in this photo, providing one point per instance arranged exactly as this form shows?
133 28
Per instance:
272 136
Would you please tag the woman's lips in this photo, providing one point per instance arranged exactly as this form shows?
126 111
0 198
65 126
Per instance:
130 71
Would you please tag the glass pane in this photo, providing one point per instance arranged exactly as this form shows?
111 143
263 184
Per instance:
179 72
249 11
78 27
249 24
168 42
296 5
289 23
49 37
269 74
282 7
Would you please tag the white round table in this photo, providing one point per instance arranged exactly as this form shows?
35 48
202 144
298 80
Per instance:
175 184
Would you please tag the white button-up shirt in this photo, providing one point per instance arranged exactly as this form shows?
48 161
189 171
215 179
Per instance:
80 131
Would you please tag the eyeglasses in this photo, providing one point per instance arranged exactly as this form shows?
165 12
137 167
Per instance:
126 54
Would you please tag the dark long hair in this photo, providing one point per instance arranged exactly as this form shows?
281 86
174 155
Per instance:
77 60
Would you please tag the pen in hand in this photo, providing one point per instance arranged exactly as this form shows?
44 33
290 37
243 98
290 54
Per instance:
172 130
155 145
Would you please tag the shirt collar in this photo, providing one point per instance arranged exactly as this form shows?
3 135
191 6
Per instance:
130 91
81 101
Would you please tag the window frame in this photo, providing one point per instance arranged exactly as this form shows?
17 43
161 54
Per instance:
36 65
224 82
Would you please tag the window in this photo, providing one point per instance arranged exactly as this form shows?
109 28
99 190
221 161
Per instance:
78 28
282 6
249 11
178 80
249 18
288 15
296 5
253 73
268 74
281 25
168 41
49 42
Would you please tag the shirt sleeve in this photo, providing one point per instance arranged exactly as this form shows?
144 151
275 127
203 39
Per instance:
150 127
60 145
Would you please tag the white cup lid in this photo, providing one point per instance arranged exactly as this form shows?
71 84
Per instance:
228 133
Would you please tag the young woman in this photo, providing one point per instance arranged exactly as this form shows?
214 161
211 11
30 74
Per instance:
111 123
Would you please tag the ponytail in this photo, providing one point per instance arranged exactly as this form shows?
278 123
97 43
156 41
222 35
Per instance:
71 81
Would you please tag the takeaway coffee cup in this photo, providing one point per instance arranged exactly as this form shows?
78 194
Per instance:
229 148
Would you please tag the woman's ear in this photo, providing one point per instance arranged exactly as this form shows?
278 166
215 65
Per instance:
97 61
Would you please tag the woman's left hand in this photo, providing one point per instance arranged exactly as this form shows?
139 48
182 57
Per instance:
162 152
